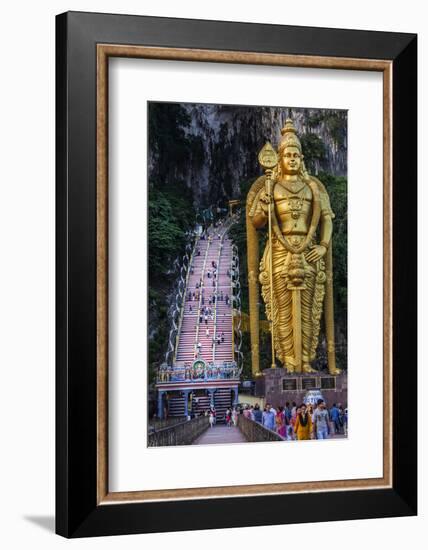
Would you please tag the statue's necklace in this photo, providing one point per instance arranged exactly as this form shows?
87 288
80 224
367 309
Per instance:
293 187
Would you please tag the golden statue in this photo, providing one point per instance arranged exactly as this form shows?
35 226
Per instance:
295 271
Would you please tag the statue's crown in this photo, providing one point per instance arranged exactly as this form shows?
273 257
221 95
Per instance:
289 137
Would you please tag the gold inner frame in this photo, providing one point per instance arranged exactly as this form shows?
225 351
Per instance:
104 52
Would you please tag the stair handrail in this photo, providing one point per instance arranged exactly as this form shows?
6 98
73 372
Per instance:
237 300
175 306
202 286
228 223
216 295
183 302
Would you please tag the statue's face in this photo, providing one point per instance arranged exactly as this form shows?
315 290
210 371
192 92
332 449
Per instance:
291 160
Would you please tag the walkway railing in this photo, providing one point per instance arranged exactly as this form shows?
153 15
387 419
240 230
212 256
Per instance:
253 431
159 424
180 434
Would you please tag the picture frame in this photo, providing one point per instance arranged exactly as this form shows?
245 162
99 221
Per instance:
84 44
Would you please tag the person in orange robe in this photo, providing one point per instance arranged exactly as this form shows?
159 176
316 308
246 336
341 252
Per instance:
303 425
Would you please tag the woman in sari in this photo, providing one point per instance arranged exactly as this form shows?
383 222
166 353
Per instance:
303 425
281 423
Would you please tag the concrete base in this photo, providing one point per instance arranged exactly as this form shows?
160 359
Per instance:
281 387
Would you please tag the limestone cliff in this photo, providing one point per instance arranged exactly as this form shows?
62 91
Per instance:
217 145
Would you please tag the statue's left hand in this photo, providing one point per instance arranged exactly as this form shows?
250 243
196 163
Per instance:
316 253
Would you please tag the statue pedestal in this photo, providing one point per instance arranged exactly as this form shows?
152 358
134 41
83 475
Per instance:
280 387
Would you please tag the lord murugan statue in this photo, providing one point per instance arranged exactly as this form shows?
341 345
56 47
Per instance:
295 271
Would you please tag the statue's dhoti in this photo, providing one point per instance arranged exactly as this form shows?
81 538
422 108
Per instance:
298 293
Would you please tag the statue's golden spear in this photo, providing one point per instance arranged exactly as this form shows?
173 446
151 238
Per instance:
268 159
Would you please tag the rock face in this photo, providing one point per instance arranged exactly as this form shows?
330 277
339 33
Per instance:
223 141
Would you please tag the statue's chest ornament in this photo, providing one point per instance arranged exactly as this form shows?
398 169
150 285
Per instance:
295 205
296 198
294 195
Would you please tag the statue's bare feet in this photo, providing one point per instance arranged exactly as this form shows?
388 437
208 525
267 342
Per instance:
335 372
307 368
289 369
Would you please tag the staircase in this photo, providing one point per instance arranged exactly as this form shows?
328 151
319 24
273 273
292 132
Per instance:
176 406
200 404
205 331
206 317
222 401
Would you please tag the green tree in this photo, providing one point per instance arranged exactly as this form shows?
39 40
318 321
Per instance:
171 216
314 150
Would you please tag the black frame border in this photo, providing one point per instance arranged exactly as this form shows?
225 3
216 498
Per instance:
77 512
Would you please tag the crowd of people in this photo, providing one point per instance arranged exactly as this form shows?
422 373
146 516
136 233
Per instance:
230 416
199 295
293 422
